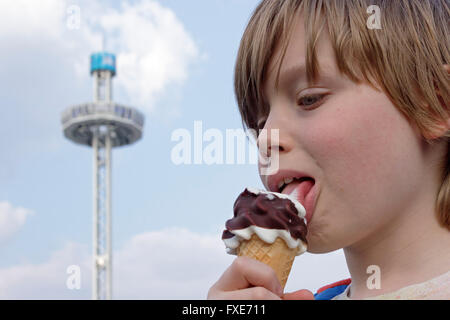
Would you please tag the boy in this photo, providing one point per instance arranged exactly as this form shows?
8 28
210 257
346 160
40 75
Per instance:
365 113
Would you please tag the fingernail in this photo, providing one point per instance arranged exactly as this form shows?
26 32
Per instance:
280 291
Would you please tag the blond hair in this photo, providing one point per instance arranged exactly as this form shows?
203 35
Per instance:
405 59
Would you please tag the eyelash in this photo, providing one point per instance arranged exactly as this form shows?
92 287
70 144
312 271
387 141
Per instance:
261 125
311 106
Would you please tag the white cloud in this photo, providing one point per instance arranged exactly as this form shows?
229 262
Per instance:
34 27
12 220
22 18
47 280
154 49
173 263
45 65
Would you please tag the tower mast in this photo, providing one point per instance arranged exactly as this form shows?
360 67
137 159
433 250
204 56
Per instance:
102 125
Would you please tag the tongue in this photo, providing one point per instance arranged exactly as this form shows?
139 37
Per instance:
299 189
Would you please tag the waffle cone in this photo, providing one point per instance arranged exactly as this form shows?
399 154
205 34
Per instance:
277 255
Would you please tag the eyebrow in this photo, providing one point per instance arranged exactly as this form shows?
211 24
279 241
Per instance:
287 75
292 72
286 79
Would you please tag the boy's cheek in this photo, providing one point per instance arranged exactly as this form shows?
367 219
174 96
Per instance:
350 151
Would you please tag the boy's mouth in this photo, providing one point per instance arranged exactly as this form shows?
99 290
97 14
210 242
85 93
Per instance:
300 185
302 190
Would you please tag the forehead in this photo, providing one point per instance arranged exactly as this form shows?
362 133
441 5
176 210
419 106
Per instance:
294 62
296 46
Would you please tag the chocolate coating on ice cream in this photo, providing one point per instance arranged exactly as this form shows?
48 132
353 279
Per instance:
268 211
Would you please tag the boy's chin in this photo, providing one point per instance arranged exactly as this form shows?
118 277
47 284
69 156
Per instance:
321 249
316 245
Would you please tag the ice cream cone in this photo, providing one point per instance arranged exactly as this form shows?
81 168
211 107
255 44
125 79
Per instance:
277 255
275 226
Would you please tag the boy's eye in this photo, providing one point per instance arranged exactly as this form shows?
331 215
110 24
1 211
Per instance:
309 100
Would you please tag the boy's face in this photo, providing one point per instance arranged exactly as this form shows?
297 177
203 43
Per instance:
368 162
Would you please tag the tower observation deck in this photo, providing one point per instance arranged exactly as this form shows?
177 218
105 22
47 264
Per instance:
102 125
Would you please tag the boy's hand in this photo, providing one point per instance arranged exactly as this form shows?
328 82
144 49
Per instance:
299 295
247 279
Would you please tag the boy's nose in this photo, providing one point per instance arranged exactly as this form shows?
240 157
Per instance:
274 136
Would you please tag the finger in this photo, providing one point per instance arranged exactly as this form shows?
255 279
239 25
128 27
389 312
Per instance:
255 293
299 295
245 272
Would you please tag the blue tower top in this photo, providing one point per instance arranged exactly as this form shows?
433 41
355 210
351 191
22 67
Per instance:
103 61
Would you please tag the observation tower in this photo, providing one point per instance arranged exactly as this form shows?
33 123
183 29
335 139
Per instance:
102 125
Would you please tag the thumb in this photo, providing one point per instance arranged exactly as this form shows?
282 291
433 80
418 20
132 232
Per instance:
299 295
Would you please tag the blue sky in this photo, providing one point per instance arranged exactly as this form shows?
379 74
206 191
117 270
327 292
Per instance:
46 180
